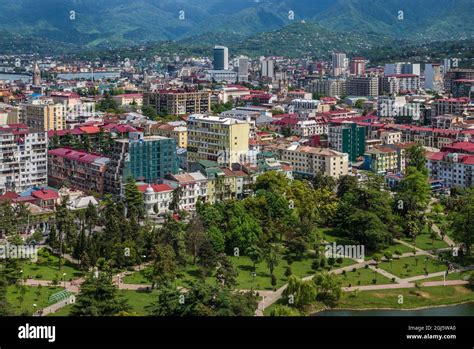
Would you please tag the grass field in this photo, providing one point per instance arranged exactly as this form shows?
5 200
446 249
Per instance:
32 295
362 277
48 269
245 279
64 311
391 249
451 276
412 298
425 242
412 266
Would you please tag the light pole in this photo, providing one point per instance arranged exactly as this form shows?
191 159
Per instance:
34 309
64 279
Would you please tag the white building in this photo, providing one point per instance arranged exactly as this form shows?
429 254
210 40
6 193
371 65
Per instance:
157 197
193 187
268 68
23 158
456 170
402 68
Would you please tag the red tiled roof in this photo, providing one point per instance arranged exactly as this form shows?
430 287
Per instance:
157 188
45 194
9 195
75 155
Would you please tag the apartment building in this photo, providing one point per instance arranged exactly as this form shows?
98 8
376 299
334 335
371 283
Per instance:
455 170
216 138
178 132
193 188
347 137
23 158
178 102
362 86
43 115
79 169
328 88
454 106
380 159
146 159
401 83
310 161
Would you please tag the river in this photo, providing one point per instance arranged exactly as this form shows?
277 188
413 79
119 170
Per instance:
14 77
466 309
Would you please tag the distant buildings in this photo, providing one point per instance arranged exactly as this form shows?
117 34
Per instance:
401 83
268 68
23 158
339 63
43 115
215 138
146 159
357 66
362 86
36 75
221 58
434 77
178 102
328 87
402 68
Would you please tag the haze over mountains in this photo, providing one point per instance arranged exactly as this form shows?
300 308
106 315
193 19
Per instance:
112 23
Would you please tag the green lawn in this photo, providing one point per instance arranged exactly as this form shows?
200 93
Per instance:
244 266
46 268
392 248
412 266
64 311
362 277
138 300
412 298
30 297
451 276
425 242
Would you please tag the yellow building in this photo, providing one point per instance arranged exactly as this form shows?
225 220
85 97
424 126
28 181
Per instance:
178 133
215 138
44 116
381 160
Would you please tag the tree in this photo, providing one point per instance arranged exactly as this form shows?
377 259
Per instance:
134 200
207 257
99 297
4 306
195 236
226 275
300 293
328 287
172 233
176 198
416 158
164 265
283 310
462 221
202 299
346 184
272 259
255 255
272 181
91 217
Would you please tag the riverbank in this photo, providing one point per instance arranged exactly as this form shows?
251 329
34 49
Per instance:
393 299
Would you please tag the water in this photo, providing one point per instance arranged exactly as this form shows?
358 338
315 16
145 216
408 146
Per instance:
14 77
466 309
89 76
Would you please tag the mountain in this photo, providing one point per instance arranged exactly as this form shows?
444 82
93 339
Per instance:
114 23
